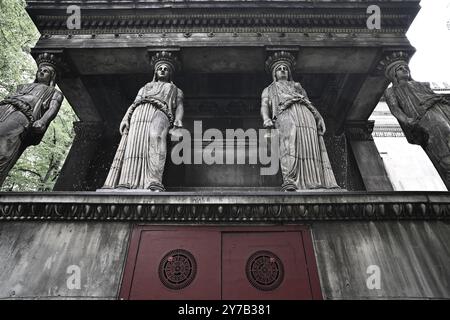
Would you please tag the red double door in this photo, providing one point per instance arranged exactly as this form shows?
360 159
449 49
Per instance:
189 263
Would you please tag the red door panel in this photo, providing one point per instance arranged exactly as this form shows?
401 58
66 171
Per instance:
264 265
213 263
177 265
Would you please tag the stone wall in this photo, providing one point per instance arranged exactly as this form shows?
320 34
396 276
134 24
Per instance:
413 257
35 257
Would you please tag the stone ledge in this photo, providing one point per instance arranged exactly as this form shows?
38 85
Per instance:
216 22
219 207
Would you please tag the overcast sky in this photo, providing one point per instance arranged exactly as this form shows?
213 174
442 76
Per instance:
430 35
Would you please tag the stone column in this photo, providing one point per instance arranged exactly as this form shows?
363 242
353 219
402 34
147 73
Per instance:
368 159
78 171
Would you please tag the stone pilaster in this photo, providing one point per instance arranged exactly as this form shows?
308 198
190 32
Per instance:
365 152
76 174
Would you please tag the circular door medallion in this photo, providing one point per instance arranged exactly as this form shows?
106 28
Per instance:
177 269
265 270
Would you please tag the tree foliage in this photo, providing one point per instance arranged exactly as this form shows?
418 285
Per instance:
39 166
17 36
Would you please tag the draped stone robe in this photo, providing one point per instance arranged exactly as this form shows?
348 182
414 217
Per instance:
141 155
303 157
17 114
418 102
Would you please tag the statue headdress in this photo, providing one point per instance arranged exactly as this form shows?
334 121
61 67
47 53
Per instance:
164 57
391 63
280 57
51 60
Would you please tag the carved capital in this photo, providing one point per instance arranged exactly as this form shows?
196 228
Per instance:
280 57
359 130
167 56
56 57
390 59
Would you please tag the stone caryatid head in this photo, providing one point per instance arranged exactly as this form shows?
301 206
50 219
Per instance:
281 65
47 69
396 67
164 64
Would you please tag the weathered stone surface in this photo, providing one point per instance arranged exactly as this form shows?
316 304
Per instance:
413 257
225 207
81 170
26 113
366 155
423 115
222 47
156 112
35 257
285 106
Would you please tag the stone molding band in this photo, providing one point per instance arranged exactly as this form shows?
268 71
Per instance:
216 22
264 207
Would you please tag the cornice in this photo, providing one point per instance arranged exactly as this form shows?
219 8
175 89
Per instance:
222 22
264 207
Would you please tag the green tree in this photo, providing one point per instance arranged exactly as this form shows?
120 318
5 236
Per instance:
39 166
17 36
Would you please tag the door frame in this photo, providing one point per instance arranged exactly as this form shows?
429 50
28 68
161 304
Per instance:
134 242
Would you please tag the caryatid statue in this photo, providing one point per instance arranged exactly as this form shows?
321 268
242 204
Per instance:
285 106
26 114
423 115
158 107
